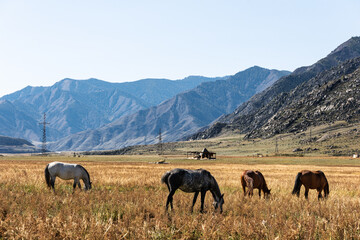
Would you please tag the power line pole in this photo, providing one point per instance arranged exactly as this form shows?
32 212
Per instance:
43 148
276 146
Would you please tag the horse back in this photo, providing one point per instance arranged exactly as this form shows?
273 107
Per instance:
256 176
64 171
313 180
190 180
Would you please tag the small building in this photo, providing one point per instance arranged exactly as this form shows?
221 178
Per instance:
201 155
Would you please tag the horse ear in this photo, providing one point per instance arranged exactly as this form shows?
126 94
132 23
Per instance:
222 196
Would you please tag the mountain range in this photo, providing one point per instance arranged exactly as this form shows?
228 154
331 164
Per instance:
260 103
77 105
261 115
177 117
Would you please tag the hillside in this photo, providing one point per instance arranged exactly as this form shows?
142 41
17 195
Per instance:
77 105
178 117
256 112
16 145
333 95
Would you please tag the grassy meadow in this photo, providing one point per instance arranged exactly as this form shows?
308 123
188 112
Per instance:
128 201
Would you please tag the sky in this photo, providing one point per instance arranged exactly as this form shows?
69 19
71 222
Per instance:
45 41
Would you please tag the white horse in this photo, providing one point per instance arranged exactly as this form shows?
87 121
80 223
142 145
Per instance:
67 171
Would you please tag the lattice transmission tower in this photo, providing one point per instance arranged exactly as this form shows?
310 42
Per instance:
43 123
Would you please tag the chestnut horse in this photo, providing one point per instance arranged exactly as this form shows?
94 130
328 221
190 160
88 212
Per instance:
311 180
254 179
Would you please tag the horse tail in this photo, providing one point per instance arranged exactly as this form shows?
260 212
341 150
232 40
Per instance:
250 184
326 187
297 185
47 176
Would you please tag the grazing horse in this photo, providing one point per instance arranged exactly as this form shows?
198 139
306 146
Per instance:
67 171
254 179
196 181
311 180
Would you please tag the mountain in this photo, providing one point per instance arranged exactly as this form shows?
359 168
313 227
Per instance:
177 117
332 95
16 145
16 122
256 112
77 105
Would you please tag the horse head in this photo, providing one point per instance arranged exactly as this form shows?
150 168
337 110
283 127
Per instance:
88 186
267 192
219 203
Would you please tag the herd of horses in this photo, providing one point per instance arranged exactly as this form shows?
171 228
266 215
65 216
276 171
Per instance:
195 181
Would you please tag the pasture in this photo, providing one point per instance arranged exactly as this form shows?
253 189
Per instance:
127 200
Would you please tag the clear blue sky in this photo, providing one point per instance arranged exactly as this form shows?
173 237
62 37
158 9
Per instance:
42 42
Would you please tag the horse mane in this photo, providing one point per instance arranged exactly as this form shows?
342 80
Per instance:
87 173
260 174
215 186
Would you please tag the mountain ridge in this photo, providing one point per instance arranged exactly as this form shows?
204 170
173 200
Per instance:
77 105
176 117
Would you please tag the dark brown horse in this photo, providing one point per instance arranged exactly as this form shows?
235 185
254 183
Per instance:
254 179
311 180
197 181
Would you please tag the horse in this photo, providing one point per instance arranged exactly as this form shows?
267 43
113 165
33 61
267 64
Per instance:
311 180
196 181
254 179
67 171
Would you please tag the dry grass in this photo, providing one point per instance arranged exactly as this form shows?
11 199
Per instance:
127 201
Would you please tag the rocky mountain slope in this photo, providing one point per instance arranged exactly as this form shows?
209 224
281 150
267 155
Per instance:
333 95
177 117
262 107
77 105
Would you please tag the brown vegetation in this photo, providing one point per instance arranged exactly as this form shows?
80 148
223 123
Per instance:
128 201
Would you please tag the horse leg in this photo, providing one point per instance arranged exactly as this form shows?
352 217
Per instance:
260 193
194 200
306 192
170 199
74 185
244 189
76 182
203 192
319 195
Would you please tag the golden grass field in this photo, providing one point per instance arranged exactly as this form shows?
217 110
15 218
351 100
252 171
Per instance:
128 201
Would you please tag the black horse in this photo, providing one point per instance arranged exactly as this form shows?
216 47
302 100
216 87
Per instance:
196 181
